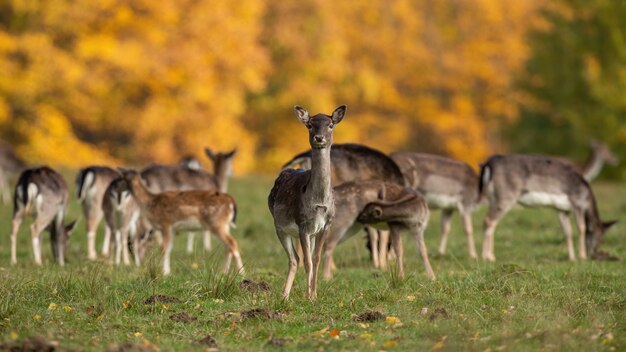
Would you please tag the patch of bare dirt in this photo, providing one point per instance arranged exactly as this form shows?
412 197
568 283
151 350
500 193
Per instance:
438 313
604 256
207 341
260 313
161 299
31 344
278 341
252 286
369 316
131 347
183 317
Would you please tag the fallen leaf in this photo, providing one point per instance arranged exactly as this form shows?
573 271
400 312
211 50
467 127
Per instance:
392 320
334 332
13 335
68 308
37 317
366 336
137 334
411 298
321 332
390 344
52 306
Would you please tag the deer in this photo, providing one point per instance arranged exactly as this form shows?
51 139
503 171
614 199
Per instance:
10 165
540 181
409 211
122 218
41 193
351 198
353 162
599 154
91 184
302 203
446 184
189 176
169 212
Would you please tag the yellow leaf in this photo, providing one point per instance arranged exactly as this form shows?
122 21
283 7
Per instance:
37 317
13 335
410 298
137 334
321 332
52 306
390 344
366 336
392 320
68 308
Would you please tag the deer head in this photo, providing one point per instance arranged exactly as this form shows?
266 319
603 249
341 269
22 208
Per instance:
222 162
595 235
603 152
320 126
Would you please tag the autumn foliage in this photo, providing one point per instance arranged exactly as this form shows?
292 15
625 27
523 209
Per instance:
134 81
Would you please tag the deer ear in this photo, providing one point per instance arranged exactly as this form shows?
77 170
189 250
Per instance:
608 224
378 212
231 153
209 153
339 113
302 114
70 227
382 193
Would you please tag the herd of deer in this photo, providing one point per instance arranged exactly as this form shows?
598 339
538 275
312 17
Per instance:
335 192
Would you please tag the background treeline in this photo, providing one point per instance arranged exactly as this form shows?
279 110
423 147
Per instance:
134 81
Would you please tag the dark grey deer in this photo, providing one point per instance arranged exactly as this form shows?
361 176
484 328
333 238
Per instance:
302 202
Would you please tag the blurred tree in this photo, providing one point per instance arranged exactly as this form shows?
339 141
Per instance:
575 82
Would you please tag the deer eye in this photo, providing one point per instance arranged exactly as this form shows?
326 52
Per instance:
331 126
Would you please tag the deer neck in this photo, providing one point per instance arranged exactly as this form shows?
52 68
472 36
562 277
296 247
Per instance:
140 192
319 189
221 176
592 166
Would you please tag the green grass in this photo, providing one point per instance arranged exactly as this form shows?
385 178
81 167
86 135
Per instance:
532 298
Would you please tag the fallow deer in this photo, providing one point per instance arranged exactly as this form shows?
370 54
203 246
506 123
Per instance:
545 182
302 202
42 193
169 212
189 176
599 154
355 162
446 184
350 200
122 218
91 184
408 211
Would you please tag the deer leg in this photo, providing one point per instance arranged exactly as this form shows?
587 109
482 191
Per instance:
582 232
190 237
232 248
35 233
566 226
466 216
374 244
125 252
319 245
383 248
168 239
300 255
306 258
118 247
136 244
207 240
329 249
92 225
292 254
106 244
446 217
421 248
396 242
495 213
15 227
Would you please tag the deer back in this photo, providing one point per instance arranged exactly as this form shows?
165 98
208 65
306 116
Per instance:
41 184
166 178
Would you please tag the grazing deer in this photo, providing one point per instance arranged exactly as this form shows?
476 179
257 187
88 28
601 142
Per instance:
599 154
408 211
446 184
189 176
91 183
169 212
10 165
122 217
541 181
354 162
42 193
350 200
302 202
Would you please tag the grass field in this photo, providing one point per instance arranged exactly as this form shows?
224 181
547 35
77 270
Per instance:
531 299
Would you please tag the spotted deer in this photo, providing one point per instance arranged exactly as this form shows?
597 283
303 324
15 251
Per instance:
41 193
91 183
302 202
406 211
351 198
599 154
355 162
189 176
169 212
539 181
122 218
446 184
